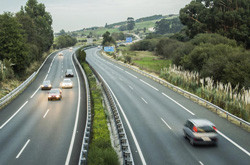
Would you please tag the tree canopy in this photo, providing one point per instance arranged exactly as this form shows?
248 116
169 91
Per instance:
230 18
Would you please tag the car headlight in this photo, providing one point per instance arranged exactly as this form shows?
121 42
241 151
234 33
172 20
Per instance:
49 85
42 86
57 96
49 96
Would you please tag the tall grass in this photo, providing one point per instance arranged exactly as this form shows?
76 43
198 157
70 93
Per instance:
233 100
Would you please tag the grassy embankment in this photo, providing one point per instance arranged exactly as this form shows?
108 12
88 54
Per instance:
100 150
145 60
8 85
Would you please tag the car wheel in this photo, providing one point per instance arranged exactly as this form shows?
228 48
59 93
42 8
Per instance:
185 135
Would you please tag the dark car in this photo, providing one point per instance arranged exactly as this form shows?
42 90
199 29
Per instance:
55 94
69 73
200 131
46 85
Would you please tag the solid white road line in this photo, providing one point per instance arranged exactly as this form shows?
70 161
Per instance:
166 123
131 74
46 113
144 100
34 93
25 145
178 104
14 115
130 87
129 126
231 141
118 67
201 163
149 85
77 115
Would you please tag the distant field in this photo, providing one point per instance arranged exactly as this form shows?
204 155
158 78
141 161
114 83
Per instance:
146 60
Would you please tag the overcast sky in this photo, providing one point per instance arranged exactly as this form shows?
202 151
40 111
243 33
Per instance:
73 15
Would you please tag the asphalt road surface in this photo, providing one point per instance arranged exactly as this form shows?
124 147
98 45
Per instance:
34 130
154 115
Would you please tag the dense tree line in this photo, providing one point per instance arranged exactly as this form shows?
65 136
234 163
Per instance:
118 36
64 41
150 18
212 55
24 37
230 18
168 26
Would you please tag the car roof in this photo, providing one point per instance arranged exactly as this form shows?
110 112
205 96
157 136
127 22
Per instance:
201 122
69 69
55 89
67 79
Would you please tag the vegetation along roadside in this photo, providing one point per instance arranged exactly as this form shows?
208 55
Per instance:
100 149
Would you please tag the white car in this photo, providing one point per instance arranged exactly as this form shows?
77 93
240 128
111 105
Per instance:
67 83
60 54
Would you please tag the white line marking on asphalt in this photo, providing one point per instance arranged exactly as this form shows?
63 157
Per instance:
130 74
14 114
120 79
46 113
231 141
45 77
149 85
201 163
77 117
129 126
25 145
34 93
178 104
118 67
166 123
131 87
62 70
49 70
144 100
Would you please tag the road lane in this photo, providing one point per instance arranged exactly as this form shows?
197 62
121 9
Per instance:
50 135
159 144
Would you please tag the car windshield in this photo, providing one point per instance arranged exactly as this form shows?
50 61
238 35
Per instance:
204 129
54 92
67 80
69 71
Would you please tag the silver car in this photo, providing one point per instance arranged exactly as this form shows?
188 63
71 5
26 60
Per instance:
200 131
67 83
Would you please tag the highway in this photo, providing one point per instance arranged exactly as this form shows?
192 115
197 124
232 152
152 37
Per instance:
154 115
34 130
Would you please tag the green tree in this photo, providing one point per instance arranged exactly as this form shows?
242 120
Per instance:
64 41
168 26
130 23
12 43
43 24
107 39
230 18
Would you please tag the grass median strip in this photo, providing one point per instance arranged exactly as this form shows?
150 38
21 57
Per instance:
100 150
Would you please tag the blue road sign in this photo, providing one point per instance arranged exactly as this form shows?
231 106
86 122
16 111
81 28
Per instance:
109 48
129 39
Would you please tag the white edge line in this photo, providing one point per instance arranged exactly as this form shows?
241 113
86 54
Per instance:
166 123
76 120
144 100
130 74
178 104
130 87
149 85
231 141
34 93
14 115
129 126
46 113
25 145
